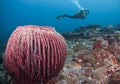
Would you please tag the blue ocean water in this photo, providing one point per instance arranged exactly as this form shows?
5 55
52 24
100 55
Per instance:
14 13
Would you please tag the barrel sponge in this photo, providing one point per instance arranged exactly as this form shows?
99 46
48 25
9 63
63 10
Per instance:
35 54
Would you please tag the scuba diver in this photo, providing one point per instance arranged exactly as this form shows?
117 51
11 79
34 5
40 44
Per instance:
79 15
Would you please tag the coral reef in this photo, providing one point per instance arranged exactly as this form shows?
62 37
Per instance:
98 62
93 56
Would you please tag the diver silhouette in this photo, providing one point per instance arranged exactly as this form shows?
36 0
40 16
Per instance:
79 15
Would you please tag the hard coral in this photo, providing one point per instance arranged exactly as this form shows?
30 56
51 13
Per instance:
97 44
34 54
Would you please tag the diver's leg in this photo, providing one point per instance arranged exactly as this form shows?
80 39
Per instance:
62 16
65 15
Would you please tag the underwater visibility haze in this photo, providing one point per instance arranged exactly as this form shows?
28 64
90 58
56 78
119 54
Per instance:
14 13
60 41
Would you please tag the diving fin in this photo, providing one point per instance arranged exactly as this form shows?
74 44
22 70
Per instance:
60 17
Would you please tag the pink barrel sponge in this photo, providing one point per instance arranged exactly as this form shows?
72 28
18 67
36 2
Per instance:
34 54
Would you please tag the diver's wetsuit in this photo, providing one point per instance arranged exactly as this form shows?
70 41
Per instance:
80 15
